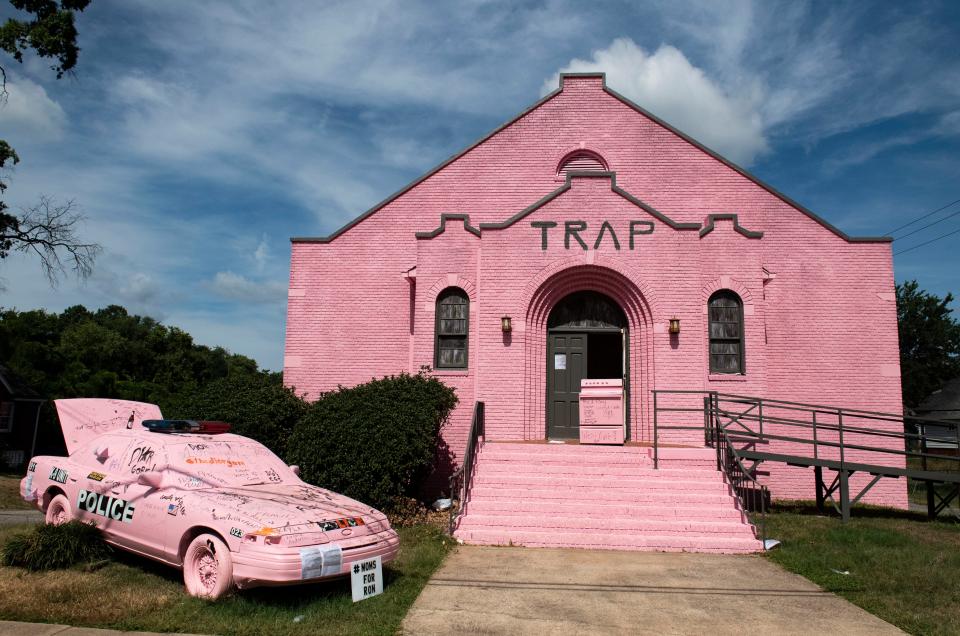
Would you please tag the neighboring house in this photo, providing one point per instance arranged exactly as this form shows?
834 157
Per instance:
943 404
19 413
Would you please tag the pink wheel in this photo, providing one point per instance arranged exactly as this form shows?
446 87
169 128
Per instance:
207 567
58 511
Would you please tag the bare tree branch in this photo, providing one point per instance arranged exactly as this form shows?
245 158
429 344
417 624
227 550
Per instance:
49 231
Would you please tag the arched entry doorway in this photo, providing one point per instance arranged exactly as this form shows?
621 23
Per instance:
586 339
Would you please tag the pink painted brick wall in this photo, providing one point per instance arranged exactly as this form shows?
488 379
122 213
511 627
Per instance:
820 318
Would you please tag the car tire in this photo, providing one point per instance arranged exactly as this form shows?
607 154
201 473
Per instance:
207 567
58 511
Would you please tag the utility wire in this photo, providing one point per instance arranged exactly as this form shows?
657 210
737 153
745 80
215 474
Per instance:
949 216
957 231
923 217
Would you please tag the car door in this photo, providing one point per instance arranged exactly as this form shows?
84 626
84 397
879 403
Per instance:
129 512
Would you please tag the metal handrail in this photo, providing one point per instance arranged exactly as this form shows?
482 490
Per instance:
818 427
736 473
738 419
461 478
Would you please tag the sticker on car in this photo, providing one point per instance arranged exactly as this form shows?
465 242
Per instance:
59 475
95 476
104 506
320 561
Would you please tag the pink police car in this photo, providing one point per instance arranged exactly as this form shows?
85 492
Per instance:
222 507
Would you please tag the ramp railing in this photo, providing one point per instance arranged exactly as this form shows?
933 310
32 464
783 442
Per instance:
747 431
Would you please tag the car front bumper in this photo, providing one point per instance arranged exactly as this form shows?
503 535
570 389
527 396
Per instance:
277 565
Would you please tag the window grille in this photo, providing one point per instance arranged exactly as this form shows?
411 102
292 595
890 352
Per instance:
726 332
452 329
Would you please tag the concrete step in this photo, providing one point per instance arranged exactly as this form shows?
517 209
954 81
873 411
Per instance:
610 541
592 493
615 482
561 468
718 511
547 451
569 523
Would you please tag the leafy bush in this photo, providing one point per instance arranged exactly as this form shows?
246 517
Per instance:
373 442
49 547
257 407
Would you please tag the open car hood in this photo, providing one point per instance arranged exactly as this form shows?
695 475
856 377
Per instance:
83 419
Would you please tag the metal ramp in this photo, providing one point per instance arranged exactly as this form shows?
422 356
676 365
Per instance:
747 432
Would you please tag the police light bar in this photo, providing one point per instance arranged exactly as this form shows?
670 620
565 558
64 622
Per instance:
186 426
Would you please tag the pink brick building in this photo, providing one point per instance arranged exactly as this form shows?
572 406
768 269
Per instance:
590 224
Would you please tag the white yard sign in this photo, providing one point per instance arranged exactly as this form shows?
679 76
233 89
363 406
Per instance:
366 578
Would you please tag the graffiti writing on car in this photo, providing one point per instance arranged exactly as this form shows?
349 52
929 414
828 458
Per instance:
175 505
219 461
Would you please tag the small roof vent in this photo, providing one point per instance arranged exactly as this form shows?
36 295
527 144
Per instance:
581 161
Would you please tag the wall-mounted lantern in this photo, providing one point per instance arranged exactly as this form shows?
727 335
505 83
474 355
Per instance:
674 325
505 325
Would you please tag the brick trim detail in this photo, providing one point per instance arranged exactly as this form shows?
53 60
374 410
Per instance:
615 280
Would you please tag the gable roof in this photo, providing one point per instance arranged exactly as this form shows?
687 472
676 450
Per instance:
16 387
943 403
603 77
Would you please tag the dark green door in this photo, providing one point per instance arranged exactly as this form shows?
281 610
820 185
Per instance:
566 366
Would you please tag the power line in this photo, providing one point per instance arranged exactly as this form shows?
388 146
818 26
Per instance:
923 217
957 231
949 216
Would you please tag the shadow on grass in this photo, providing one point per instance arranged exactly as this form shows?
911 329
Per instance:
288 597
866 511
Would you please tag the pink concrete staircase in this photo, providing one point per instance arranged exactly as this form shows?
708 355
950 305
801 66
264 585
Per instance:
604 497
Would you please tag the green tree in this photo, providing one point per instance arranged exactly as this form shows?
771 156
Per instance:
929 342
46 229
110 353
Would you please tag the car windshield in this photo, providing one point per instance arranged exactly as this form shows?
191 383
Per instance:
206 463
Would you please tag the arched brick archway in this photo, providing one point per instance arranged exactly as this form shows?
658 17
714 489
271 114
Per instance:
543 294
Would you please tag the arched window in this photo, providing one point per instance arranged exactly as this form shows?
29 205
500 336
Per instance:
452 329
726 332
581 161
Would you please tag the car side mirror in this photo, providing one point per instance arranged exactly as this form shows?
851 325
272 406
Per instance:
295 469
102 454
153 479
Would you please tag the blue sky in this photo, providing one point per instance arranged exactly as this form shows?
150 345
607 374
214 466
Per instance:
197 137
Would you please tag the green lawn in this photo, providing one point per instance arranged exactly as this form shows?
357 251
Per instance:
918 490
10 493
131 593
902 568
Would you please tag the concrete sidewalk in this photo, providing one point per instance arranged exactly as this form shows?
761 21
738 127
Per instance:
17 517
490 590
12 628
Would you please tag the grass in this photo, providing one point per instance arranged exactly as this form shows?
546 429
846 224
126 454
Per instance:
10 493
901 567
918 490
49 547
132 593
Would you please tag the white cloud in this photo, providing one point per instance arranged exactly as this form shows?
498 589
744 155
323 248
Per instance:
669 86
262 254
30 114
237 287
